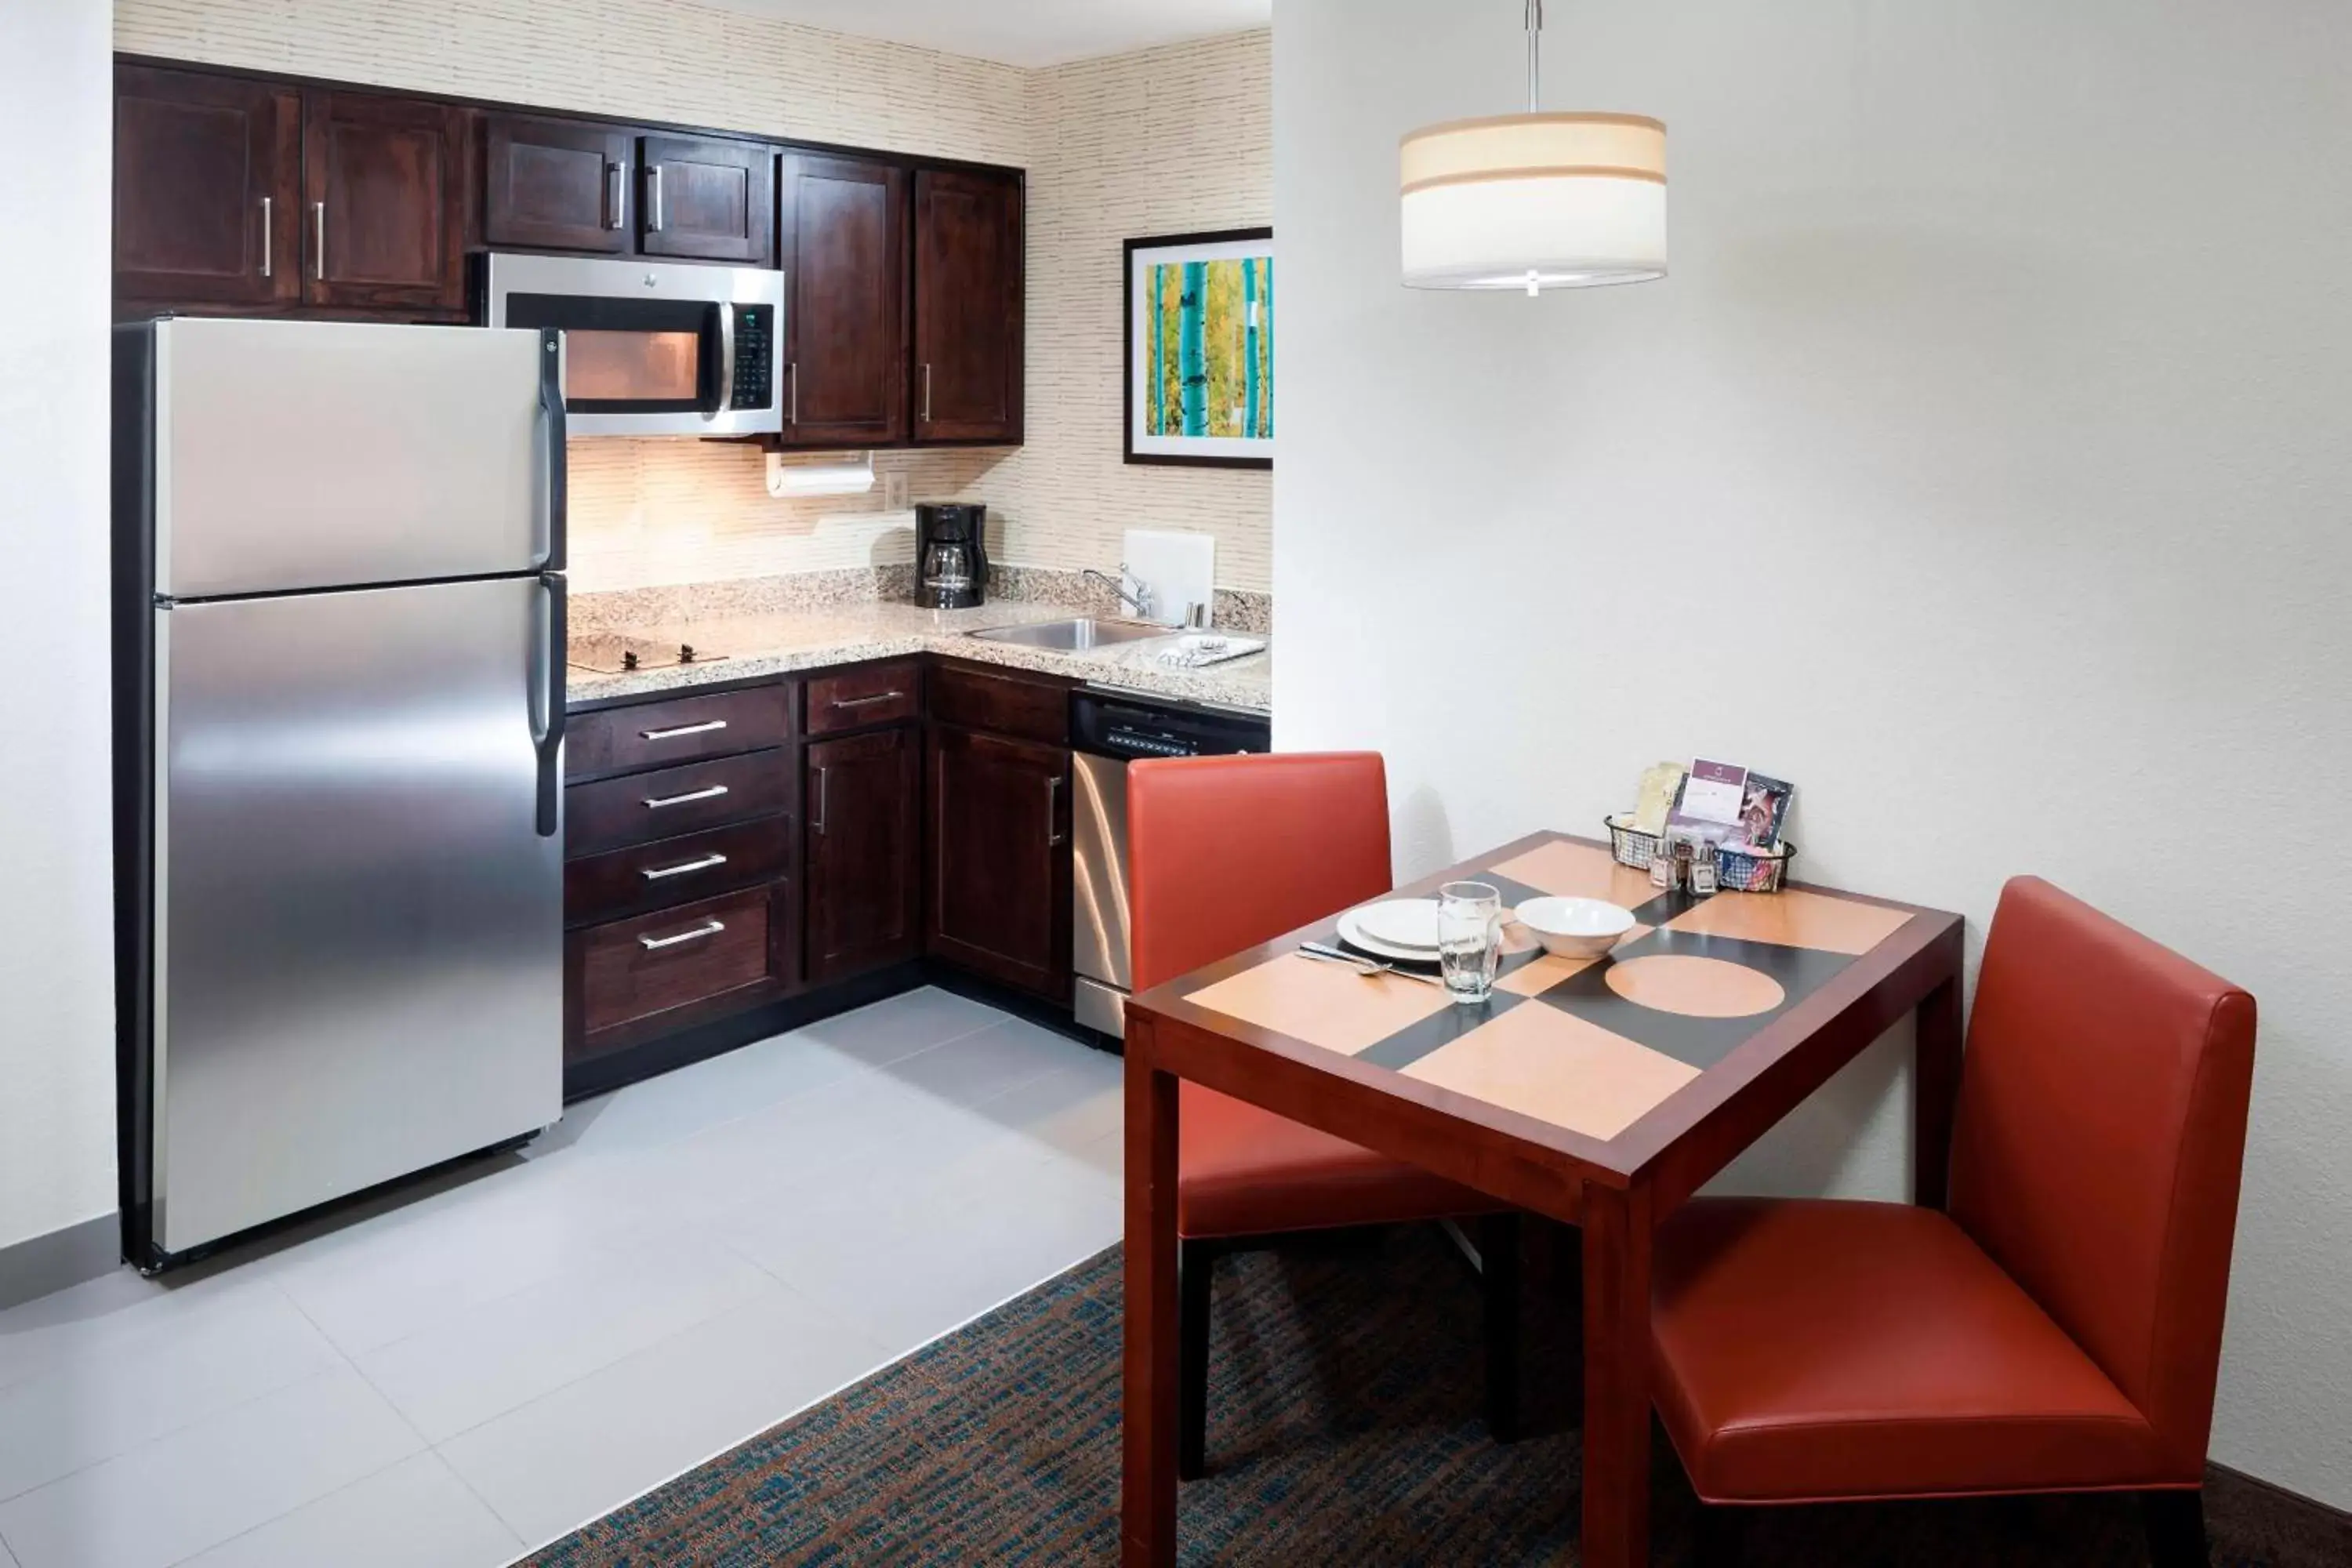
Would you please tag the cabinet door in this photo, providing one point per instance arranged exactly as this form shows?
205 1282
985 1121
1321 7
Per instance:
968 306
207 189
559 185
842 228
863 894
385 181
714 200
999 859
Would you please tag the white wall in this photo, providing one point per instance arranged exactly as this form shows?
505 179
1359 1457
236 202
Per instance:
1995 430
57 1006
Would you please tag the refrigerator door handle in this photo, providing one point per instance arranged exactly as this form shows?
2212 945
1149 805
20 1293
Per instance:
558 489
550 738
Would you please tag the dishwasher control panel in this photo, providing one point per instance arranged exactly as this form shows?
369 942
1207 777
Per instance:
1112 726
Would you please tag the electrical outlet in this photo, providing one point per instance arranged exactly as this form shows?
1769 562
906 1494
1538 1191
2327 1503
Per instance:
893 491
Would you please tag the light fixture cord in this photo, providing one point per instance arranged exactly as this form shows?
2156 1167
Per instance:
1535 56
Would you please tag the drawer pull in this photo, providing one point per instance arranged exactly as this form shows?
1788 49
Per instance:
662 803
868 701
711 727
664 873
708 928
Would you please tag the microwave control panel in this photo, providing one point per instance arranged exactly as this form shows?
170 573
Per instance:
755 356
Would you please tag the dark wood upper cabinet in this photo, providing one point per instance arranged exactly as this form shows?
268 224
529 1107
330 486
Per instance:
999 859
556 184
968 306
842 228
707 200
384 183
863 884
207 189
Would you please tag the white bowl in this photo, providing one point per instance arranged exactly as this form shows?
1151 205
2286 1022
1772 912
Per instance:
1576 928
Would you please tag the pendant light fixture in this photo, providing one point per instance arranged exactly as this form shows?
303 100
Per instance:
1534 201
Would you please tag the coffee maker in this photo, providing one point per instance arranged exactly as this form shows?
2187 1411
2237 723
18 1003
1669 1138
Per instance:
950 557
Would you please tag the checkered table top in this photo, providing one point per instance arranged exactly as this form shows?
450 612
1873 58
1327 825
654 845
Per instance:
1590 1046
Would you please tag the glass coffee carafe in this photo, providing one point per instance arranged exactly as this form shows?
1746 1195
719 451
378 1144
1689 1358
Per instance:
946 571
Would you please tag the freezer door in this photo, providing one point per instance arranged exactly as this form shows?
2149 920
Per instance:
358 926
293 455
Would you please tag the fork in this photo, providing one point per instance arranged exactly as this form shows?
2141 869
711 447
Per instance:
1367 967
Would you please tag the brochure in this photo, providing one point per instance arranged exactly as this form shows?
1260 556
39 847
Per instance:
1763 811
1708 811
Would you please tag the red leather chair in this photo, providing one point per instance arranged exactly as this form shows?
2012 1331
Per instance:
2060 1330
1225 853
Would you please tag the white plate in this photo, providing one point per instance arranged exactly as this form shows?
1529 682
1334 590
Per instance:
1408 923
1356 936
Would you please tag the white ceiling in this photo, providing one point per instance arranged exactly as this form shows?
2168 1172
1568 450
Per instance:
1022 32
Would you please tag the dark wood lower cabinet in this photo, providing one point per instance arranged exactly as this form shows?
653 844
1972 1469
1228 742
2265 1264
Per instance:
740 857
660 875
861 798
999 859
634 980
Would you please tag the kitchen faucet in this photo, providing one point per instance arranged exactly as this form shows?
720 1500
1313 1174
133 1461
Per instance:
1139 600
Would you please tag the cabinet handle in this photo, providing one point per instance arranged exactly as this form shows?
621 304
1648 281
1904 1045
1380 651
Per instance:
268 225
682 731
927 394
867 701
663 874
655 215
319 226
664 803
1055 836
707 929
793 369
617 193
823 791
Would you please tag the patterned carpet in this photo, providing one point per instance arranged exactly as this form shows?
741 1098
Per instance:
1344 1429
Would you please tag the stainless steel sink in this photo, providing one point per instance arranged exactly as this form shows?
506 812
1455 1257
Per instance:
1075 635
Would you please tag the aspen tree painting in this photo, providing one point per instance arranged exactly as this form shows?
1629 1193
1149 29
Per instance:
1200 350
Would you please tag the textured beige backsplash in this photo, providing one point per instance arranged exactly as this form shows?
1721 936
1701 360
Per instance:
651 513
1164 141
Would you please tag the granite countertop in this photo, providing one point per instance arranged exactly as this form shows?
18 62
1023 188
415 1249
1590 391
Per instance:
791 640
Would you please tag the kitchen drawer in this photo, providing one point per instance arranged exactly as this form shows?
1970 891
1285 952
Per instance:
655 735
633 969
976 697
676 870
859 699
643 807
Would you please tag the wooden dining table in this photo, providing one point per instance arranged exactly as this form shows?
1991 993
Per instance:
1600 1092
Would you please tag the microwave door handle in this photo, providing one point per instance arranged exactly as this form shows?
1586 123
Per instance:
725 357
558 487
549 743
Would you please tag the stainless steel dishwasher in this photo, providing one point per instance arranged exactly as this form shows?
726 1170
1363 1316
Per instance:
1108 729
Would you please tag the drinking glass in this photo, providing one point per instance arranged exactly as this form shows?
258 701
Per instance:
1469 939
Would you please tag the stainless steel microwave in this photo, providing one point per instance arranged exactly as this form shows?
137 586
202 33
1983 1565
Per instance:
651 348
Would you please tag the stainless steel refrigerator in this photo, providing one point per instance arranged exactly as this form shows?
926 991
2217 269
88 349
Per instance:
339 674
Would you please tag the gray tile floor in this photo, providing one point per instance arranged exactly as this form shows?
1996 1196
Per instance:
473 1371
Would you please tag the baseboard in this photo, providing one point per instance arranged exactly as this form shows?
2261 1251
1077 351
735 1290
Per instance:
2266 1524
41 1264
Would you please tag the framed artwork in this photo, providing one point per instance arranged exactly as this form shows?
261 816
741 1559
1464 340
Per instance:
1200 350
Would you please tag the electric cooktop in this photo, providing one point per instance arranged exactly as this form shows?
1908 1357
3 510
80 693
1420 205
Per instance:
623 652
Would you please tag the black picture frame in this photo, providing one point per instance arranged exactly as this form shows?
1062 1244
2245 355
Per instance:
1127 359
